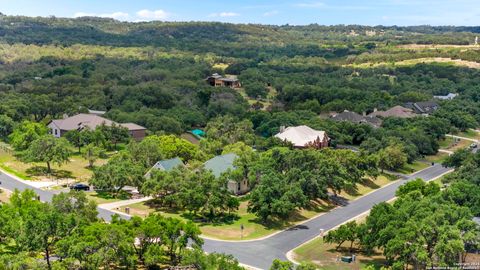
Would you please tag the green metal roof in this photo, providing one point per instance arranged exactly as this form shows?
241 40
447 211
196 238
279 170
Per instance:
221 164
168 164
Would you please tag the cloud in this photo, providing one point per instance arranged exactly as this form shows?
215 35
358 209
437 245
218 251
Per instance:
224 14
158 14
115 15
270 13
311 5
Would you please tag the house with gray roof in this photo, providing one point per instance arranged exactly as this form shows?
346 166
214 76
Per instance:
424 107
165 165
356 118
450 96
221 164
59 127
218 80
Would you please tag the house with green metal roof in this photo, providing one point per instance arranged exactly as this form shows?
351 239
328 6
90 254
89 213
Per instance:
221 164
166 165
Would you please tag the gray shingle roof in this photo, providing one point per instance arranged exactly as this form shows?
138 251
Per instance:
221 164
91 121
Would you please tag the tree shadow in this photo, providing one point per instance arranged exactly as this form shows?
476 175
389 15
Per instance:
43 171
216 220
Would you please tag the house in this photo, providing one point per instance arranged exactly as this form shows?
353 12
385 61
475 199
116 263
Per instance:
221 164
165 165
397 111
59 127
425 107
450 96
303 136
356 118
99 113
218 80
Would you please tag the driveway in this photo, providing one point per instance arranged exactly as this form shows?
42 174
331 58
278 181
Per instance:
261 253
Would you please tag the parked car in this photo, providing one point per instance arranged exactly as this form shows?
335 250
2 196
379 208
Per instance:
80 186
473 145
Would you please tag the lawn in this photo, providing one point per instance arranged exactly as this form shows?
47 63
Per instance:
102 197
437 158
472 134
451 144
229 229
367 186
325 256
4 195
76 169
414 167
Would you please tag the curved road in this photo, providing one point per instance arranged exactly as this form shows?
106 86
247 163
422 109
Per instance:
260 253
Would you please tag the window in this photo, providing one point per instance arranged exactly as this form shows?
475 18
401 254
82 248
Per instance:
56 132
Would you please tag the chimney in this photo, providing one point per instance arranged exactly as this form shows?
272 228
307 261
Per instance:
65 115
282 129
364 113
375 109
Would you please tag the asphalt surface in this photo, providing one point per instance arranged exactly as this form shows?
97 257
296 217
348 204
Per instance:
261 253
10 183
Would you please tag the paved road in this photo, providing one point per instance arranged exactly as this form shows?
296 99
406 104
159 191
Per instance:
10 183
261 253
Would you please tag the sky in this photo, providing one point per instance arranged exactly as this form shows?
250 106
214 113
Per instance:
279 12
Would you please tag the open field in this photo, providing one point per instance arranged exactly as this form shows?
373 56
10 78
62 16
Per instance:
426 60
75 170
229 228
451 144
101 198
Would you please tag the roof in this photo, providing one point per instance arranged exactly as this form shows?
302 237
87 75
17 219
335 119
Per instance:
91 121
477 220
132 126
96 112
397 111
198 132
357 118
449 96
168 164
300 136
221 164
422 107
80 121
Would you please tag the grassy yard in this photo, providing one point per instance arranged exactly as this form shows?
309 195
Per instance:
414 167
325 256
4 195
76 169
438 158
451 144
367 186
472 134
229 229
102 197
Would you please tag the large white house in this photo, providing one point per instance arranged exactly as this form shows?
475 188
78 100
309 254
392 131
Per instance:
303 136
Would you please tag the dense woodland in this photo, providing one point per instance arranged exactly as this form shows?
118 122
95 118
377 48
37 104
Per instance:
153 74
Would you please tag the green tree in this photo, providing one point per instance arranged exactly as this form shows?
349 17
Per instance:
392 157
114 134
281 265
346 232
48 149
79 138
274 197
91 153
25 133
6 126
120 171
